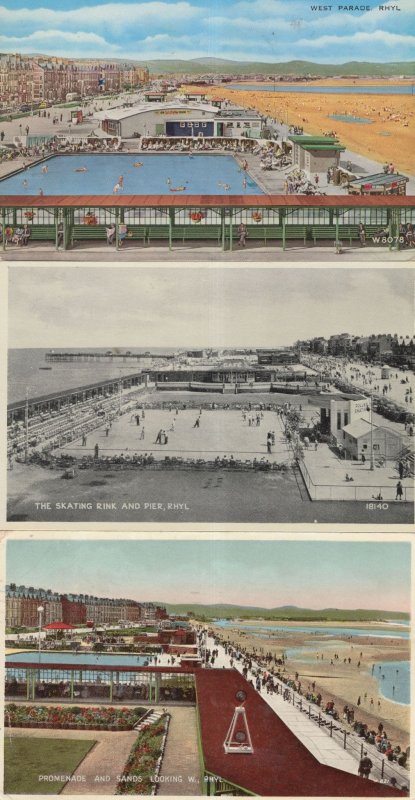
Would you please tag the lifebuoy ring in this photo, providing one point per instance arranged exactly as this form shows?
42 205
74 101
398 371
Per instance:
196 216
29 214
257 216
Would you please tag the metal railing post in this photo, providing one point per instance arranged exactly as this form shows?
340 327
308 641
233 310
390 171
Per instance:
344 740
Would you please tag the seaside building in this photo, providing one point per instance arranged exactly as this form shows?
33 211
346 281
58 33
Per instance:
340 410
177 118
28 79
315 153
22 603
361 437
381 183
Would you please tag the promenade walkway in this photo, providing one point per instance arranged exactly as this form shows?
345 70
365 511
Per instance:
180 769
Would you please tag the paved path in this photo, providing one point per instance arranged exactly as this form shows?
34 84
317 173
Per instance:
180 769
203 252
97 773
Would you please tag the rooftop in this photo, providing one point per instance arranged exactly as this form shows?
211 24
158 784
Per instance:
144 108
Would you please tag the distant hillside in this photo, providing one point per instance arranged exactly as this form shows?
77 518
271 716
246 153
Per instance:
215 66
206 65
284 613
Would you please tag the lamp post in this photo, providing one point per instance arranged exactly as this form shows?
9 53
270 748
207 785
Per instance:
40 611
372 465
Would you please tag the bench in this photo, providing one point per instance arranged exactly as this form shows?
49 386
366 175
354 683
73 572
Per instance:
298 232
42 233
262 233
349 232
200 232
88 232
136 232
157 232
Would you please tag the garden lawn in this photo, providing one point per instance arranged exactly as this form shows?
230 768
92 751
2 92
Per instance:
25 759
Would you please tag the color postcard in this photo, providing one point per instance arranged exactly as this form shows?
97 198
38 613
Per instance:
261 131
229 396
269 668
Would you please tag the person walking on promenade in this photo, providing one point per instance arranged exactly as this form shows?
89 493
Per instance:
96 451
107 430
399 491
158 439
362 234
242 231
365 766
197 423
83 440
401 470
137 419
142 433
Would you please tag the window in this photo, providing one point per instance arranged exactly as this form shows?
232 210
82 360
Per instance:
196 124
376 446
204 125
346 418
339 420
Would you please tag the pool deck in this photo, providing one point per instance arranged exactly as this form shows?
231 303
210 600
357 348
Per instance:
134 254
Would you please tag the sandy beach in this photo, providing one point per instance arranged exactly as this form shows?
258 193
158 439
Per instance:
342 682
388 138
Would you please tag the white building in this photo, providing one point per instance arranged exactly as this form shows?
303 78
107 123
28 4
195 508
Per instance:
180 119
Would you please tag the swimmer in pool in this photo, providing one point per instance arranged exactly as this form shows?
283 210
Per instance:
25 183
116 188
168 181
138 164
41 192
226 186
45 169
81 169
121 181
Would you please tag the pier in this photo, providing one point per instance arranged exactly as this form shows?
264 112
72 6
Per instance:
109 357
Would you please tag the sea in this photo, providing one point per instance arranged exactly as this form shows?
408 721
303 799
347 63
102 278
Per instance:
25 373
393 677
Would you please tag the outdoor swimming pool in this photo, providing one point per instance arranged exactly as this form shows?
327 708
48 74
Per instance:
91 659
89 662
160 173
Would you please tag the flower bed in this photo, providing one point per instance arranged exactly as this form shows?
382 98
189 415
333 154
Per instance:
143 764
75 717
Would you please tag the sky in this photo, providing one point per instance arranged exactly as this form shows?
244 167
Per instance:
203 307
259 30
325 574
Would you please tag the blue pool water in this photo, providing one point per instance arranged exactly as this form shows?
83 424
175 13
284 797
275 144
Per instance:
350 118
310 89
73 659
198 174
329 630
93 659
395 685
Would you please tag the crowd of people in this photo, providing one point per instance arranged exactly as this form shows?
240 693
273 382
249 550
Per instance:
268 674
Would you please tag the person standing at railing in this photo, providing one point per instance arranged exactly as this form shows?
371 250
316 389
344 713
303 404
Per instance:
365 766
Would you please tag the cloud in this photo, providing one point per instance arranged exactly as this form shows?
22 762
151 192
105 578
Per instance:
115 17
377 37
